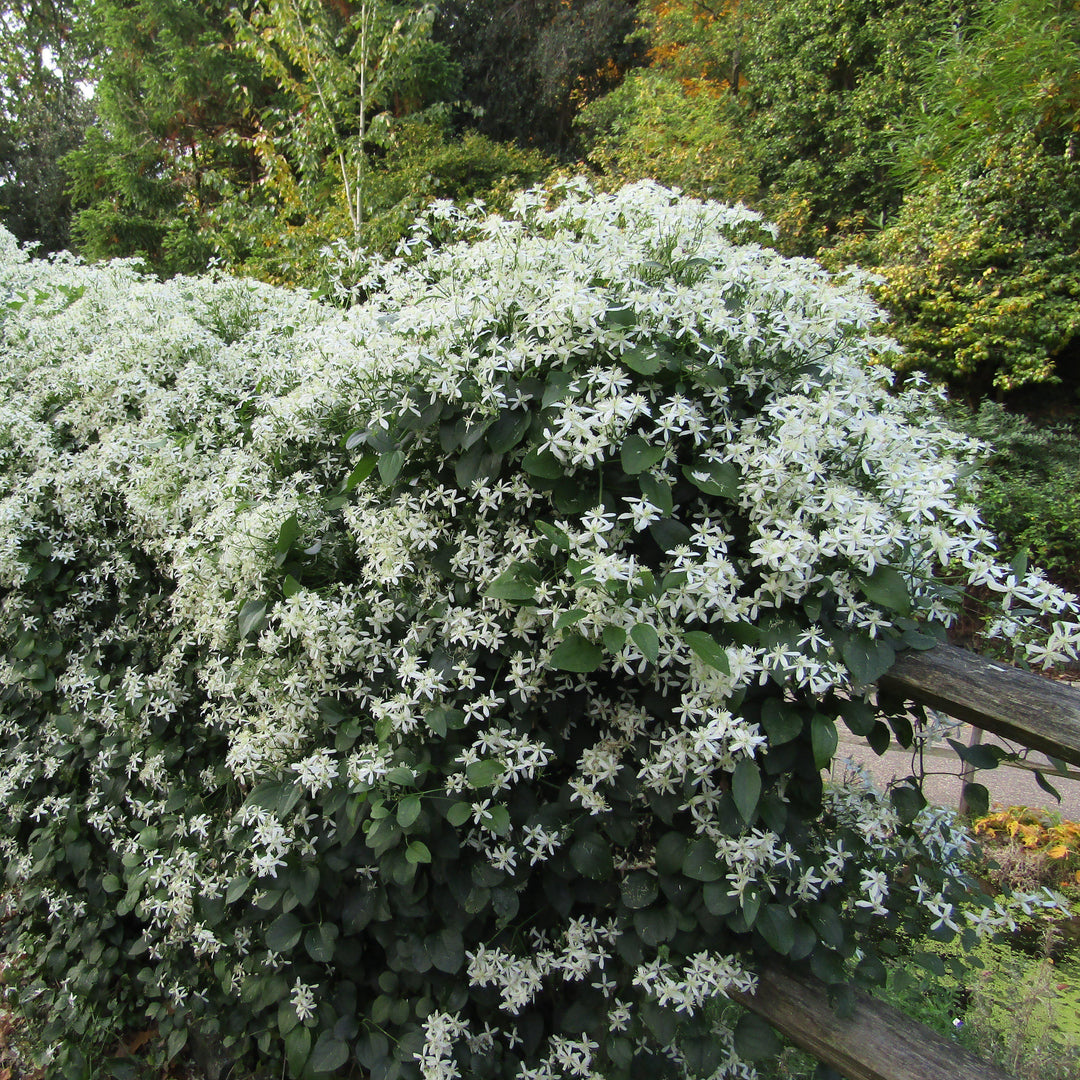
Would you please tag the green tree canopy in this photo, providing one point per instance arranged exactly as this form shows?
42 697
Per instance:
806 99
980 264
528 66
43 113
173 98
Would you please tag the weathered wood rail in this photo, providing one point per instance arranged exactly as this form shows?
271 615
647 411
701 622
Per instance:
1017 705
877 1042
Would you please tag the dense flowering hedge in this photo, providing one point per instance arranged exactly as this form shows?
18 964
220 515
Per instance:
442 687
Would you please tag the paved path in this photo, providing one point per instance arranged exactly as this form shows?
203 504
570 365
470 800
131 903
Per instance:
1007 786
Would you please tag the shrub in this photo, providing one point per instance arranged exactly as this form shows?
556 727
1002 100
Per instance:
282 239
442 686
1030 486
979 269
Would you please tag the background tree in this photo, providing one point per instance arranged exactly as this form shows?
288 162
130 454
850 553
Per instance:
806 96
981 262
44 111
342 72
527 66
174 99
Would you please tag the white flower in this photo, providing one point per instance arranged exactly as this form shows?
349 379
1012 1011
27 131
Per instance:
303 1000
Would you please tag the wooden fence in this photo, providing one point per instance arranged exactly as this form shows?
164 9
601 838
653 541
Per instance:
877 1042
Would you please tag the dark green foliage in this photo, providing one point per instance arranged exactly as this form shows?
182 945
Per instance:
43 114
649 126
981 269
795 106
527 66
423 162
981 264
1030 490
172 98
33 203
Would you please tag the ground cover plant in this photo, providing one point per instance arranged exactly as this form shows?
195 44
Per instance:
441 687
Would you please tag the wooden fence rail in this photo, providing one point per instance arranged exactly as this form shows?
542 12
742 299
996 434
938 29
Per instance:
877 1042
1020 706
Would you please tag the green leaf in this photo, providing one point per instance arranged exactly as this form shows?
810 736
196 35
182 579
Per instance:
642 359
637 455
781 721
777 927
908 802
867 658
705 648
297 1047
237 888
976 800
560 385
408 810
826 923
446 950
657 492
879 738
484 773
701 861
290 586
518 583
361 471
670 853
177 1040
287 1019
621 316
647 640
718 898
435 718
508 430
916 639
639 889
1045 784
886 588
543 463
714 478
320 942
555 535
390 465
590 856
575 653
290 529
417 852
329 1054
251 618
498 820
859 716
655 925
614 638
754 1040
823 739
979 756
568 618
458 814
746 789
669 534
283 933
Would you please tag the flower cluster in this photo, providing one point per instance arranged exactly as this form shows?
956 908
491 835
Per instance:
446 683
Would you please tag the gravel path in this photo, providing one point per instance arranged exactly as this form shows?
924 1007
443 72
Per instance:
1008 786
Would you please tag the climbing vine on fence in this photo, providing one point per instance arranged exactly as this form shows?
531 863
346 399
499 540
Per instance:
442 687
